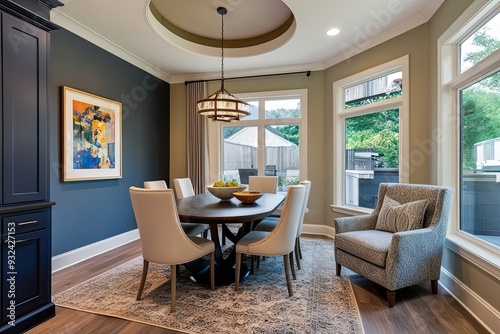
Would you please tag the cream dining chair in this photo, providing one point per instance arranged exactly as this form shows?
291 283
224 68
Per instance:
268 224
162 238
263 184
189 228
184 188
280 241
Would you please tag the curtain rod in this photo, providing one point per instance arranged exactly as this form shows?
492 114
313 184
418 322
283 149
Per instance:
307 73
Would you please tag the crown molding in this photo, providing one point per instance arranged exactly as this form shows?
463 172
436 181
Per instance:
84 32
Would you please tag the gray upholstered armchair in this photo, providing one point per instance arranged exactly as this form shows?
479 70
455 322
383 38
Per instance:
401 242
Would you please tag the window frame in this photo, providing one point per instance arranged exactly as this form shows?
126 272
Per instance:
340 114
450 82
216 130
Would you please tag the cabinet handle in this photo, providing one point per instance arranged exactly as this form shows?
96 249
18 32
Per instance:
24 240
17 241
28 222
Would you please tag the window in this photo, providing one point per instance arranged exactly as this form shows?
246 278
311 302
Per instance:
271 141
370 134
469 124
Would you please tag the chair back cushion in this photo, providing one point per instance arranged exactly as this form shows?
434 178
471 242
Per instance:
397 217
183 188
158 184
438 206
264 184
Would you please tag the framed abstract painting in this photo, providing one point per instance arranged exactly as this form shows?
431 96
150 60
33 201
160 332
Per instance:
92 132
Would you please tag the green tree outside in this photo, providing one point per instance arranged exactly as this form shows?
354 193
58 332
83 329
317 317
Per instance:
480 103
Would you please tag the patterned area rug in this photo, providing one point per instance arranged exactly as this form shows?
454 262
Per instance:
322 302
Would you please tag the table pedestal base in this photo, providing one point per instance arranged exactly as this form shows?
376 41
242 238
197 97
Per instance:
200 271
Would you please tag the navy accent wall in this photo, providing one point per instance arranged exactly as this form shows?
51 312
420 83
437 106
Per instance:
90 211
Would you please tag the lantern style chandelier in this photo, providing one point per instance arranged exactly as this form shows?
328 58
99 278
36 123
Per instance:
221 105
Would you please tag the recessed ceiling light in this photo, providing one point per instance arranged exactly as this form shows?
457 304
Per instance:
333 32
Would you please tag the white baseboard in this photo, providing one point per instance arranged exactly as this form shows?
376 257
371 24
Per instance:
70 258
486 314
319 230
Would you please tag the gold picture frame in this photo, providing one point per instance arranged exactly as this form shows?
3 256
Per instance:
92 132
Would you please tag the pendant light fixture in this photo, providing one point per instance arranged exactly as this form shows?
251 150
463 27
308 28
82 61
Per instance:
221 105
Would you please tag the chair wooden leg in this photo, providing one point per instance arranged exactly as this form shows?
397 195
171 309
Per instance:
173 280
298 246
258 262
252 264
434 286
297 253
212 270
391 297
338 268
287 274
292 266
237 271
145 266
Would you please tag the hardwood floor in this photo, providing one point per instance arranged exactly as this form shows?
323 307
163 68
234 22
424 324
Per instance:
416 309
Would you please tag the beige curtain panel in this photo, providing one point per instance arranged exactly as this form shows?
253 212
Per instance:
196 138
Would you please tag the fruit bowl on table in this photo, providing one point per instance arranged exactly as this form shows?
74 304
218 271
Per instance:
247 197
225 193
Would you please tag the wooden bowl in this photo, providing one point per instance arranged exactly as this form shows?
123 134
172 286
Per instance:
247 197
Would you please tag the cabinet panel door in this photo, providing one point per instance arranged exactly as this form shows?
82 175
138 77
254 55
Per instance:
24 58
27 277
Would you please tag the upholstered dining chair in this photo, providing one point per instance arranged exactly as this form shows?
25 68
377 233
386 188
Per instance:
401 242
280 241
184 188
162 238
189 228
269 223
263 184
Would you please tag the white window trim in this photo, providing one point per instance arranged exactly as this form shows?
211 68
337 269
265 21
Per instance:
340 114
216 146
469 247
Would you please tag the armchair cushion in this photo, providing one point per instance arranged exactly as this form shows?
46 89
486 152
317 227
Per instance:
397 217
370 245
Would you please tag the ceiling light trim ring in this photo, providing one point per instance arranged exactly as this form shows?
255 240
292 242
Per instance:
204 45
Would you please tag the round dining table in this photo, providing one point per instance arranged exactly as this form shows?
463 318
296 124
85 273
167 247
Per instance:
208 209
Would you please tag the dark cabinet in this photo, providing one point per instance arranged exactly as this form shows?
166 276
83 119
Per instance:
24 104
25 267
25 209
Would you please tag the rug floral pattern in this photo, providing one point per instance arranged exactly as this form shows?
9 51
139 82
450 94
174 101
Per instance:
322 302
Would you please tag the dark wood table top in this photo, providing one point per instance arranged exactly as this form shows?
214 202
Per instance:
206 208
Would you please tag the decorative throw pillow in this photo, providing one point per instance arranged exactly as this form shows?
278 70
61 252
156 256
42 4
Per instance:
396 217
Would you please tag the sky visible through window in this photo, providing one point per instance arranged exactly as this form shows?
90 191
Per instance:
492 30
